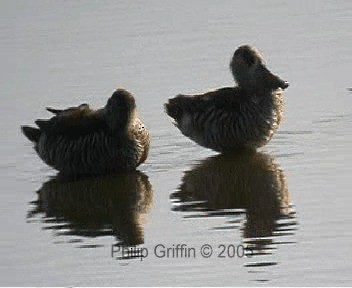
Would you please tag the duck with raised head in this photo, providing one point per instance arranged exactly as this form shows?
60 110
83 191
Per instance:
83 141
233 118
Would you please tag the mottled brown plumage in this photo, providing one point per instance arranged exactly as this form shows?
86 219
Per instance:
232 118
82 141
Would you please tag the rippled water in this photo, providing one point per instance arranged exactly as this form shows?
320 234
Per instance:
278 217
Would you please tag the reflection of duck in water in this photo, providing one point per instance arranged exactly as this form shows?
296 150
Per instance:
100 206
249 181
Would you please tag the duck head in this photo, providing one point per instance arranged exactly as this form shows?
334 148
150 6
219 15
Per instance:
120 109
250 73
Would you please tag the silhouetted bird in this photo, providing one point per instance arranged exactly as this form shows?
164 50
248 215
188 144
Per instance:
82 141
233 118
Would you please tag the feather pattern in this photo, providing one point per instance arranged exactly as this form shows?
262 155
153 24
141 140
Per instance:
232 118
81 141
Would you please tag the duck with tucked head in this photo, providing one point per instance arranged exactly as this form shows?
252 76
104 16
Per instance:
82 141
233 118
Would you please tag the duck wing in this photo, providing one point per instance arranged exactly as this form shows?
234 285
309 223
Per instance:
227 99
73 122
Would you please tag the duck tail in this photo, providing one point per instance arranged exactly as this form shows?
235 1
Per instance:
174 107
54 111
31 133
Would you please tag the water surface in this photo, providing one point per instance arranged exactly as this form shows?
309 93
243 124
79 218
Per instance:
288 205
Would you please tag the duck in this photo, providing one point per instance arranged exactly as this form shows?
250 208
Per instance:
83 141
230 119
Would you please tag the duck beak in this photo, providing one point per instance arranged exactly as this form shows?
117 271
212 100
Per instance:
283 84
273 80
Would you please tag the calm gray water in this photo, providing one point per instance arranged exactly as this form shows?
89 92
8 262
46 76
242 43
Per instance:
289 205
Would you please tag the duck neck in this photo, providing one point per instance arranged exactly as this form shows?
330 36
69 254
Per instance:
120 121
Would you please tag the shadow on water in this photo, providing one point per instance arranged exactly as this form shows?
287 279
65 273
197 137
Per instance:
251 190
113 205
